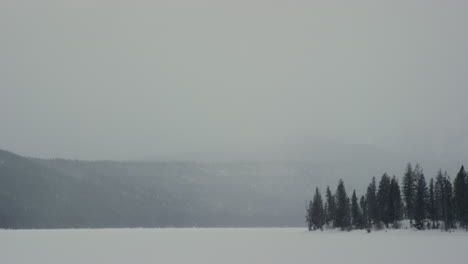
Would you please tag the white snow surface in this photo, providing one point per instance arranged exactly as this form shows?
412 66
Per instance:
230 245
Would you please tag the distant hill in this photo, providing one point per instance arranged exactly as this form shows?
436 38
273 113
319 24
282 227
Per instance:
33 196
36 193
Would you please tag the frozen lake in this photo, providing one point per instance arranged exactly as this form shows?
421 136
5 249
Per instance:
229 245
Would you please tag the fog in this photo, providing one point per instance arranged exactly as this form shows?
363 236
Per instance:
239 80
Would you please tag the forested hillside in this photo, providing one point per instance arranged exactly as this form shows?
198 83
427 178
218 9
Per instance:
37 193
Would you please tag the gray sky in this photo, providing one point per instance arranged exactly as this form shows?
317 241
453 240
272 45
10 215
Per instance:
208 80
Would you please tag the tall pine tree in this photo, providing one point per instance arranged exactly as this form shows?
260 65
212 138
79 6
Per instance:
383 200
420 202
396 205
460 198
440 197
372 206
330 208
318 215
432 212
356 213
309 215
466 204
343 216
448 199
365 215
409 191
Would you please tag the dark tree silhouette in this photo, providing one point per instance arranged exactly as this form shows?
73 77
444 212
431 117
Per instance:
448 199
356 213
330 208
309 216
372 206
365 215
383 200
343 216
317 214
432 212
421 201
460 198
409 191
396 205
440 198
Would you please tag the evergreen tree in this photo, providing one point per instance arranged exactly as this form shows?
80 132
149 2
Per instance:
466 204
383 200
396 205
443 196
343 217
460 197
440 197
421 201
372 206
432 212
409 191
365 215
448 199
330 208
317 215
356 211
309 215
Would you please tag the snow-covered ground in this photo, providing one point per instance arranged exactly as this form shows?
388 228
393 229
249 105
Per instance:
230 245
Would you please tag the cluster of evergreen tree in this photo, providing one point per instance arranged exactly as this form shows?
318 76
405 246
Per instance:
439 205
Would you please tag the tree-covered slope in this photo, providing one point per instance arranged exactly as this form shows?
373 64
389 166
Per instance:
37 193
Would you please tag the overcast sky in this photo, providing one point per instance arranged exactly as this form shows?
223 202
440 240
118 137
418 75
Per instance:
200 80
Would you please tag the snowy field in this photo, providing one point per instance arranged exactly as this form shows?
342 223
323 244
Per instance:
230 245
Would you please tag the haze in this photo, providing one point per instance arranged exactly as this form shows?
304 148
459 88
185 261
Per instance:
244 80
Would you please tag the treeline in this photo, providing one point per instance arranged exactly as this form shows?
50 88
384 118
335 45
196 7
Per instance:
437 205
